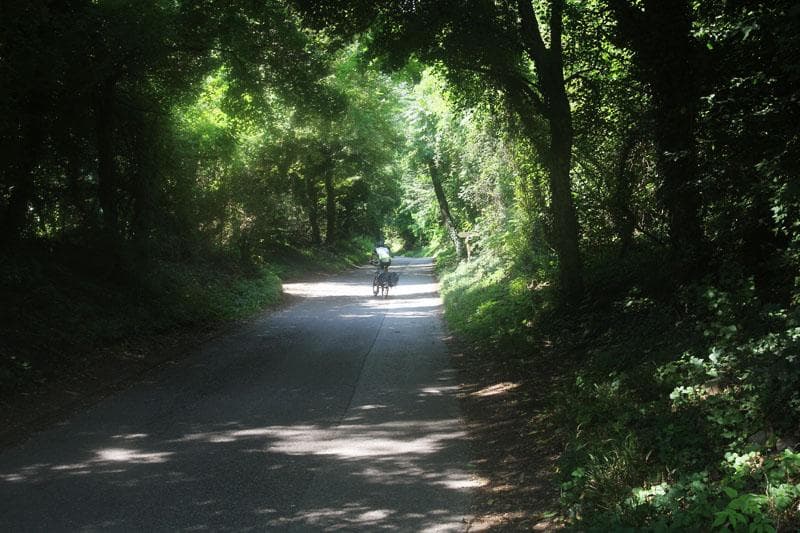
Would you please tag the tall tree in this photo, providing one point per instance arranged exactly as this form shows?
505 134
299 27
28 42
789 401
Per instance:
430 149
666 54
444 209
552 103
484 47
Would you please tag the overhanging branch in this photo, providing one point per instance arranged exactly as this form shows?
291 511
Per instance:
531 33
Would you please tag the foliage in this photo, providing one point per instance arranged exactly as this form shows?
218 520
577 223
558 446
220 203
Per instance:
488 300
736 401
64 306
670 421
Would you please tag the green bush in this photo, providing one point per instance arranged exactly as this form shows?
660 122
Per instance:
708 447
486 301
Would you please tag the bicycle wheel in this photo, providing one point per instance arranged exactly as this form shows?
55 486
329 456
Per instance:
375 286
385 290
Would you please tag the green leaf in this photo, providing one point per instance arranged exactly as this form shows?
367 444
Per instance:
722 517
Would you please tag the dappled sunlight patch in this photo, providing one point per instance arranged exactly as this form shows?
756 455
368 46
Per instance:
350 442
408 314
405 300
414 290
130 436
479 480
230 436
405 473
426 306
422 265
26 473
216 439
325 289
358 288
369 407
347 441
359 516
460 481
70 467
376 514
392 475
496 389
438 391
353 515
99 463
131 456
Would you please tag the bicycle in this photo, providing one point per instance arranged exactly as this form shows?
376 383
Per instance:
382 280
380 283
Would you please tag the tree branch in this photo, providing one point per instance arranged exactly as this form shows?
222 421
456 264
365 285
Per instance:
531 33
527 89
579 74
509 81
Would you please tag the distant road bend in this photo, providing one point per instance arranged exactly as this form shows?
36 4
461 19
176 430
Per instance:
336 413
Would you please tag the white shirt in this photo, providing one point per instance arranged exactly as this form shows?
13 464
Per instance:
383 253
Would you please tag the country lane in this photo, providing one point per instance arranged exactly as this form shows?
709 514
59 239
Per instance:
335 413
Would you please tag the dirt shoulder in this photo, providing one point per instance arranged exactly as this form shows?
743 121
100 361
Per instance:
505 405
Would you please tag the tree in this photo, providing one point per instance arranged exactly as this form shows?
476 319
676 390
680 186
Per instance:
667 57
430 150
553 104
484 47
90 93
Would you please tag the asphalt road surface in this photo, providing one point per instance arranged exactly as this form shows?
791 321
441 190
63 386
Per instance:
337 413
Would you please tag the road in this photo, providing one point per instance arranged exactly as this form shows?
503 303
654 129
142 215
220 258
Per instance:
337 413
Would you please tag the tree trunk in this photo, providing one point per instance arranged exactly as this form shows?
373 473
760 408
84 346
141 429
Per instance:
311 207
330 203
444 210
563 207
551 102
677 164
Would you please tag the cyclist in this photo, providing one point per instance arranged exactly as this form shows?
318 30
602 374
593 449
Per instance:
383 256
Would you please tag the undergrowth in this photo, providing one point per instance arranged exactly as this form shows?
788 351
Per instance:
487 302
678 406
